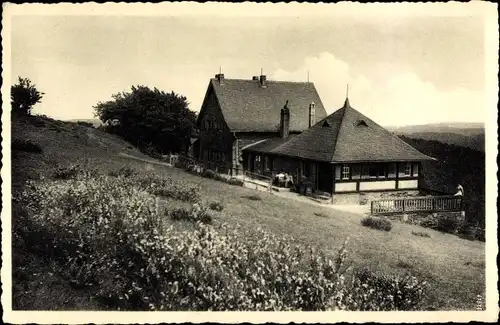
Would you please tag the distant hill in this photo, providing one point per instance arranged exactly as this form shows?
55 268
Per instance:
468 135
455 165
94 121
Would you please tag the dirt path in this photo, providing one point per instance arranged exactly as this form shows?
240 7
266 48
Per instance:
145 160
357 209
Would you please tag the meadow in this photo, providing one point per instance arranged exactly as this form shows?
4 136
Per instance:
300 259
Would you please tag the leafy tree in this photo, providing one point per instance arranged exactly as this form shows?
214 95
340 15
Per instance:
24 96
149 118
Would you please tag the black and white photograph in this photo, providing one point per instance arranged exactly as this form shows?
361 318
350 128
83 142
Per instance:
246 162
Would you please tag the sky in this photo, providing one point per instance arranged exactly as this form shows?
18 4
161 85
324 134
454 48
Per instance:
404 68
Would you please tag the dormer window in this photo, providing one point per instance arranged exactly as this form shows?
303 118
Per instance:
362 123
325 124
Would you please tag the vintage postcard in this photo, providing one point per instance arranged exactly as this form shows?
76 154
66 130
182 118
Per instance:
250 162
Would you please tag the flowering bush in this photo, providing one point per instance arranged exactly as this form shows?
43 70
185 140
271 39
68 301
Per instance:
216 206
199 213
166 187
124 171
377 223
208 173
78 170
373 292
109 234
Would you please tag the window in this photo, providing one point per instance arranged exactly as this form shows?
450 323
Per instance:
338 172
381 171
415 169
346 172
266 163
372 171
356 171
391 171
408 169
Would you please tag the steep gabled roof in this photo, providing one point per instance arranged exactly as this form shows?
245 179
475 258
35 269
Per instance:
348 136
249 107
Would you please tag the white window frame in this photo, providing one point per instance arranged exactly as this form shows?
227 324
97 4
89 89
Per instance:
345 172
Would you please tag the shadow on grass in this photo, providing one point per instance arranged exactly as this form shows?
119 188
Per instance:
252 197
320 214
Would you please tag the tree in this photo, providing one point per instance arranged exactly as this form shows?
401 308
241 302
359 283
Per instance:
24 96
149 118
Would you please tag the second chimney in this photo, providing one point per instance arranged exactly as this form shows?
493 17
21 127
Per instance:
312 114
219 77
263 81
285 121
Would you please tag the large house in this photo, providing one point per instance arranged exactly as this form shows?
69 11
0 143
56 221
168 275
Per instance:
237 113
345 152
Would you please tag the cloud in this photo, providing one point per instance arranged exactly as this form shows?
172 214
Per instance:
330 76
390 97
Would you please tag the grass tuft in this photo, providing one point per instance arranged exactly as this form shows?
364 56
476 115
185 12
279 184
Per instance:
420 233
377 223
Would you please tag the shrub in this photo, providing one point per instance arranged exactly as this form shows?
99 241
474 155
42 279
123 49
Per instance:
374 292
473 232
420 233
208 173
449 224
197 214
429 222
216 206
66 172
166 187
150 151
77 170
26 145
377 223
124 171
179 214
235 181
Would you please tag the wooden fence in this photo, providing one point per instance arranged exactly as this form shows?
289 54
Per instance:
417 204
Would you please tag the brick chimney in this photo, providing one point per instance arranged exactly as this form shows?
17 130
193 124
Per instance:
219 77
263 80
285 121
312 114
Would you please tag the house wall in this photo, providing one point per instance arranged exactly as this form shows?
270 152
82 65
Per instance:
378 185
356 198
215 140
275 164
370 177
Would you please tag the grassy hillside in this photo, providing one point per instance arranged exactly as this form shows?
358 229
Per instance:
453 267
455 165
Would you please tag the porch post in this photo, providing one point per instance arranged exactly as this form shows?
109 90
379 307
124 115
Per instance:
397 175
333 179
